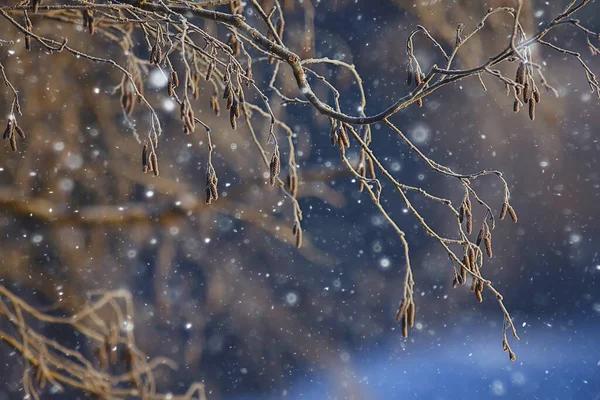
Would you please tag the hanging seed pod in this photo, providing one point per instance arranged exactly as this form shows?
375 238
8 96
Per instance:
209 70
516 106
236 108
463 269
409 73
520 76
371 168
292 182
487 240
333 132
174 78
401 309
154 163
410 311
503 211
531 109
513 214
19 131
344 136
469 223
479 296
526 92
405 326
461 213
13 143
536 95
512 356
472 258
274 166
232 119
145 158
480 236
214 105
8 132
91 25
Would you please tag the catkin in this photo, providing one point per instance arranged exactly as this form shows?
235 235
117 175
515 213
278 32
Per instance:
488 244
480 236
411 314
154 163
532 109
503 211
513 214
401 309
145 158
274 166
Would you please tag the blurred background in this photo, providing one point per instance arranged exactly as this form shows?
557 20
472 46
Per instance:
224 292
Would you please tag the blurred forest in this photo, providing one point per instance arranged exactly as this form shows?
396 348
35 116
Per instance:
221 289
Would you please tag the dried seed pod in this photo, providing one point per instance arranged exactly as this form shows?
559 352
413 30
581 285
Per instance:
401 309
479 296
463 269
410 311
503 211
207 196
8 132
344 136
174 78
236 108
91 25
420 102
532 109
409 73
371 167
154 163
341 146
472 258
209 70
468 204
333 132
274 166
469 223
405 326
480 236
13 143
513 214
516 106
526 91
232 119
520 76
512 356
145 158
214 105
536 94
461 213
487 240
418 78
292 182
214 193
474 284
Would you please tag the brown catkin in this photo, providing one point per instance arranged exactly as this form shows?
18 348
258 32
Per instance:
532 109
461 213
13 143
480 236
371 168
154 163
409 73
520 76
411 314
19 131
469 223
232 119
488 245
526 92
536 95
274 166
516 106
512 356
463 269
145 158
503 211
479 296
209 70
344 136
513 214
401 309
472 258
405 326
